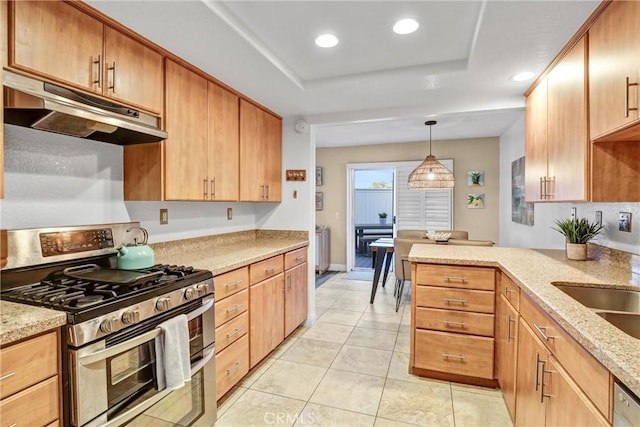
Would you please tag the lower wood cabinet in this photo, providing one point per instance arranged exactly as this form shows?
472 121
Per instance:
266 324
507 350
30 386
232 363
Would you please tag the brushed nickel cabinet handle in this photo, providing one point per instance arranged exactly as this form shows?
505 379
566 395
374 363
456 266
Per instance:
300 258
450 323
626 98
453 356
112 88
263 190
7 376
455 301
205 188
551 182
542 186
233 284
542 384
509 320
235 368
455 279
234 308
234 333
269 269
542 330
98 64
537 367
213 188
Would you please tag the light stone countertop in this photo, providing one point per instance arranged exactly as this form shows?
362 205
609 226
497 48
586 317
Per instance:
535 271
218 253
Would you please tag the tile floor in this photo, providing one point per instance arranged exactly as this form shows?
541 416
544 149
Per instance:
350 369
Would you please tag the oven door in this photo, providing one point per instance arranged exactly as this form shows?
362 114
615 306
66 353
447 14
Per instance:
113 381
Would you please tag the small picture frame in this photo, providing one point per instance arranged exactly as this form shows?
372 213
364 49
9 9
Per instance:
624 222
475 200
475 178
319 200
318 175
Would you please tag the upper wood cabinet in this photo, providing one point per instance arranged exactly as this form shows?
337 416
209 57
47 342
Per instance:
97 58
556 143
260 154
614 71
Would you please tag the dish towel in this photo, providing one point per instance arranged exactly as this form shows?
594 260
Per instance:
173 366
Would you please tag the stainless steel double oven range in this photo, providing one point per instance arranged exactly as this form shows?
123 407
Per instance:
108 352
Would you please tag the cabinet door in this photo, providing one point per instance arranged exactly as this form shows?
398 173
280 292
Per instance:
563 393
186 149
530 410
252 157
613 57
273 155
132 72
506 351
224 144
295 302
567 140
535 141
43 31
266 321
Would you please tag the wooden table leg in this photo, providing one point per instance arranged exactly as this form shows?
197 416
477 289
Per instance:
379 258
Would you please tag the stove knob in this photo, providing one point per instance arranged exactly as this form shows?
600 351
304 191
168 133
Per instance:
201 289
189 294
163 304
130 316
109 325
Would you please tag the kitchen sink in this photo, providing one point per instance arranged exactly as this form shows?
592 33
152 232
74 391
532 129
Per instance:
628 323
608 299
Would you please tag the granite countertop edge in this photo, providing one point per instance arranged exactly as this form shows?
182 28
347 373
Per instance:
20 321
535 272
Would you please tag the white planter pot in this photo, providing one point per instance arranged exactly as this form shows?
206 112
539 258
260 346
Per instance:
577 251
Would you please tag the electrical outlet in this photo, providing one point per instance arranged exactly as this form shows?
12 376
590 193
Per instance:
599 217
229 213
295 194
573 213
164 216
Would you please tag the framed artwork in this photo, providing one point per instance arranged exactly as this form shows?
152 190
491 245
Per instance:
624 221
318 175
319 200
475 178
521 211
475 201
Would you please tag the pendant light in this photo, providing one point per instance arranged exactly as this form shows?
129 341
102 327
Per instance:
431 173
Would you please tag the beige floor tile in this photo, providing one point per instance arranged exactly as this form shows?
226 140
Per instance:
320 415
255 408
312 352
347 390
403 342
299 331
399 370
382 422
363 360
387 322
358 306
284 346
340 317
426 404
325 300
320 311
474 409
371 338
229 399
256 372
476 389
290 379
328 332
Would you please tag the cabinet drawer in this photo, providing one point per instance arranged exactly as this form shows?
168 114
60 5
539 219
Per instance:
231 307
455 321
456 277
455 299
231 331
293 258
231 365
28 362
35 406
510 291
262 270
454 353
586 371
232 282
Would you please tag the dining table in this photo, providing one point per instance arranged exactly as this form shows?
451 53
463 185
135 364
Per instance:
382 253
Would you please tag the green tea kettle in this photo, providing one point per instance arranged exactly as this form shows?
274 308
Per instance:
137 255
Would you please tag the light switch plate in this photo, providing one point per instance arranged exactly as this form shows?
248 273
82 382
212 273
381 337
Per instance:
229 213
573 213
599 217
164 216
624 222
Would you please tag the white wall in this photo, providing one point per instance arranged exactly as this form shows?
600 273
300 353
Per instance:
541 235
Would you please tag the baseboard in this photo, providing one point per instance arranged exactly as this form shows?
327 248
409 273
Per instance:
338 267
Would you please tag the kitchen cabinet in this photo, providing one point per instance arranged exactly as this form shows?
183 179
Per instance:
453 322
232 327
296 284
29 390
556 140
260 154
614 73
266 301
3 63
98 58
506 336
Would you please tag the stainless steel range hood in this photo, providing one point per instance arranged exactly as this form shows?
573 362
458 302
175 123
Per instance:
40 105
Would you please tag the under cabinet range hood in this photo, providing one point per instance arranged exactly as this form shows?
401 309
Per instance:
40 105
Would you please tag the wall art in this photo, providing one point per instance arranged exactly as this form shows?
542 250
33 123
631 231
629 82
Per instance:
318 175
475 178
475 201
521 211
319 200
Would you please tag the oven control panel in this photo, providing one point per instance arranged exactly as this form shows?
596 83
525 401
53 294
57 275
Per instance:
69 242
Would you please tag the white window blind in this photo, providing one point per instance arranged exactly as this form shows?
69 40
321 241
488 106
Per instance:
422 209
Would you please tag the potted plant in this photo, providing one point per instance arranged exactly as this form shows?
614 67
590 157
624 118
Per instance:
577 232
383 217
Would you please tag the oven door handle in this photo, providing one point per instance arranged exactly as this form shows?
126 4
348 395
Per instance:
143 406
100 355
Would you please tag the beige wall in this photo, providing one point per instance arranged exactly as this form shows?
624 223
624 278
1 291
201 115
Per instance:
468 154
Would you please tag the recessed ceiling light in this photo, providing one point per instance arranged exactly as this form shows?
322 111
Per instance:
326 40
405 26
520 77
